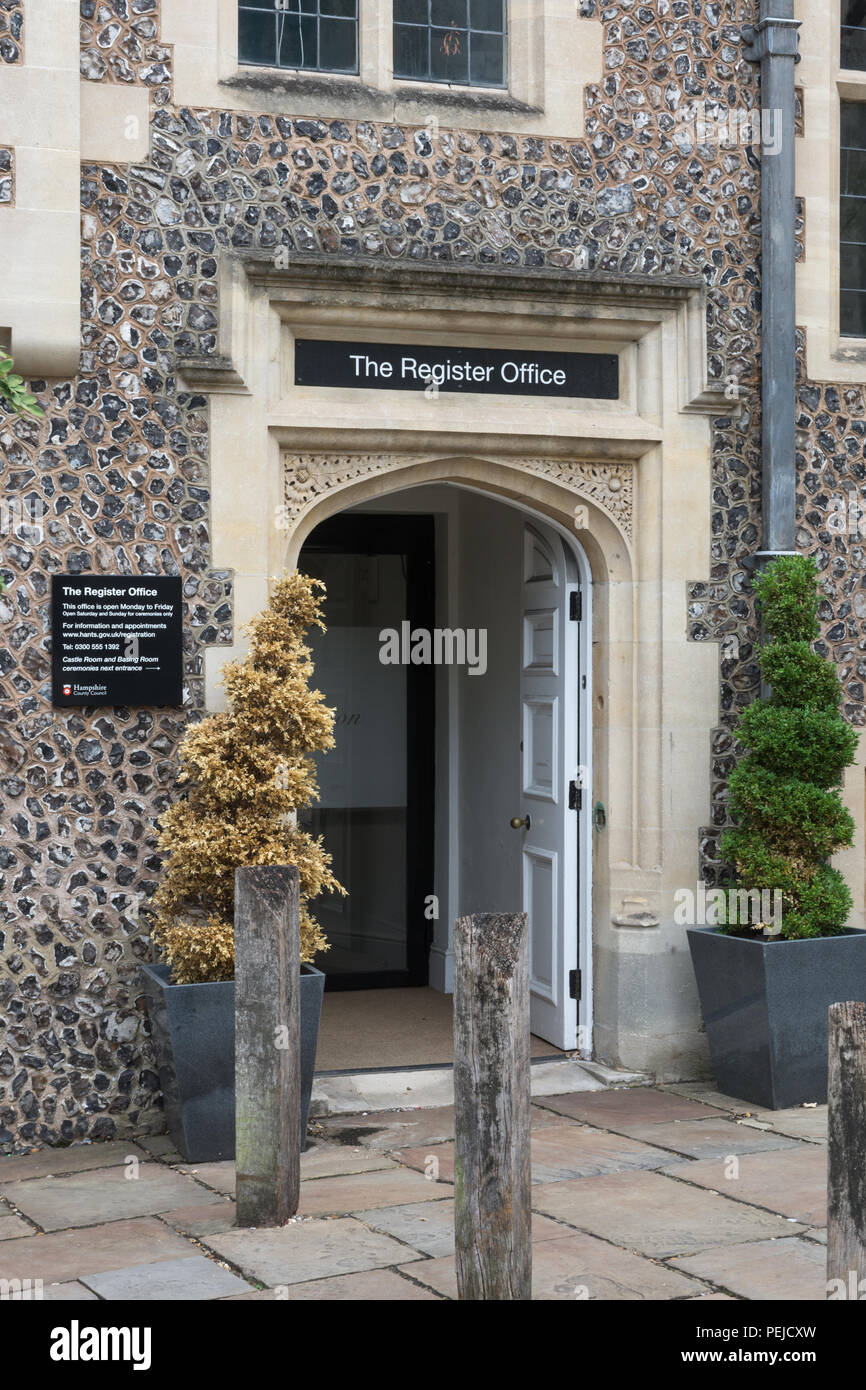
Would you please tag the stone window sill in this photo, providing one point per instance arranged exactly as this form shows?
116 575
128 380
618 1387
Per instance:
345 87
850 350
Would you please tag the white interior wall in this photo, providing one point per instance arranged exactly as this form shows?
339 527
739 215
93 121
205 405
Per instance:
478 585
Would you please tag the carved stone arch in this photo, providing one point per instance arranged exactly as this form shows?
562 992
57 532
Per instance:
594 501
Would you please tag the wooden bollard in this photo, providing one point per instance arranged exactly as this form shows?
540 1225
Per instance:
267 1044
492 1107
846 1152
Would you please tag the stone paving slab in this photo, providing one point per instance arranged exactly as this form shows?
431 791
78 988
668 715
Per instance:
711 1138
578 1268
384 1131
220 1175
426 1226
321 1160
333 1160
437 1159
305 1250
67 1255
429 1227
389 1129
193 1278
798 1121
769 1269
77 1158
705 1092
372 1286
206 1219
559 1153
104 1194
654 1214
810 1125
71 1292
357 1191
635 1106
162 1146
793 1183
623 1180
340 1094
12 1227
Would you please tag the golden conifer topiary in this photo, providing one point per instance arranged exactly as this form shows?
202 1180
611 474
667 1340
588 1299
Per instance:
248 770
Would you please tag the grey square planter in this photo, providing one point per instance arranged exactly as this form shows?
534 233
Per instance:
765 1009
193 1032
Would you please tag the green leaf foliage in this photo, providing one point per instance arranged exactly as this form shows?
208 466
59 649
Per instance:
787 594
785 791
14 391
813 745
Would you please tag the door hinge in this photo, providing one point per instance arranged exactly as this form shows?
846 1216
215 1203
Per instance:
575 797
575 605
575 985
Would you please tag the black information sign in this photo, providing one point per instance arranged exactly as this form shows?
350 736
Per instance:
488 371
116 640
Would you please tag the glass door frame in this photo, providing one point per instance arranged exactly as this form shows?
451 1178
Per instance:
412 536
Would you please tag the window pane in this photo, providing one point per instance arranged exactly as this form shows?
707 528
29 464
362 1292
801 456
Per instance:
410 51
853 125
486 14
854 34
854 219
854 172
298 48
337 45
256 37
449 53
451 14
411 11
853 267
486 60
854 48
459 41
289 36
853 314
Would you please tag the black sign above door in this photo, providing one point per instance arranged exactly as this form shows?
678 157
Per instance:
486 371
116 640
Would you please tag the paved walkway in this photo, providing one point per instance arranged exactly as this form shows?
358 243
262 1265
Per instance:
669 1193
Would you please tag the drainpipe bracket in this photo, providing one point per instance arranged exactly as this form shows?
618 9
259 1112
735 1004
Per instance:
752 563
771 38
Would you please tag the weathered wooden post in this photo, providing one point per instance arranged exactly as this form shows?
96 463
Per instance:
492 1107
846 1157
267 1044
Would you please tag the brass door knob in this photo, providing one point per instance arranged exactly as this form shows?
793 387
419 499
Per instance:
518 823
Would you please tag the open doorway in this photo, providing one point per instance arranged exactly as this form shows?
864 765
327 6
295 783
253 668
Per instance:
375 809
460 781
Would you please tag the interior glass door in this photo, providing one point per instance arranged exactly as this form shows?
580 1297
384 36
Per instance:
375 806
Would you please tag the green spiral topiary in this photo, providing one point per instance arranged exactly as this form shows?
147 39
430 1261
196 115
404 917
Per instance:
785 791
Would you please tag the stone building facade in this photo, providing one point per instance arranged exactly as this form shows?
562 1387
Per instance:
214 204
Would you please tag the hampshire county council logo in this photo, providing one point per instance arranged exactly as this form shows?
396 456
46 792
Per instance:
67 690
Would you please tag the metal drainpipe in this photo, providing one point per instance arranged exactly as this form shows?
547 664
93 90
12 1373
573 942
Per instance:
773 42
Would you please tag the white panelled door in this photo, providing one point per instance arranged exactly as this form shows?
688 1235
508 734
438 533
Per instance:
550 780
